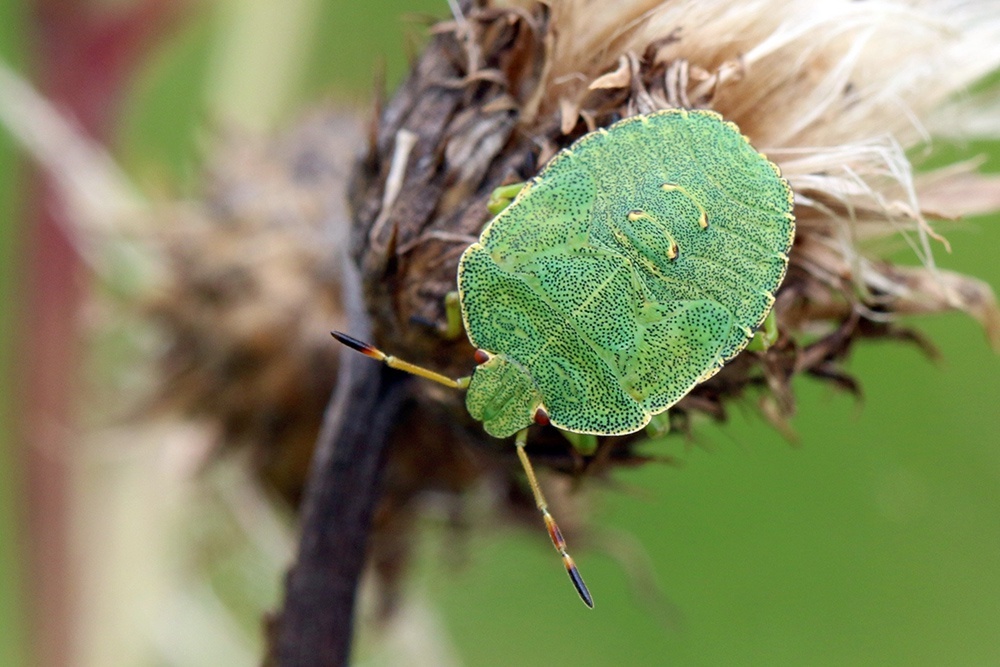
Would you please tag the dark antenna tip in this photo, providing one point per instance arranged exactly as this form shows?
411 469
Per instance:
348 341
581 587
355 344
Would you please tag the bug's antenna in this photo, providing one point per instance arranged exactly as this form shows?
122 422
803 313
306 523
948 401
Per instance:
399 364
557 538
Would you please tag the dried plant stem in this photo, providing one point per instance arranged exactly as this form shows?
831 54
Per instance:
316 624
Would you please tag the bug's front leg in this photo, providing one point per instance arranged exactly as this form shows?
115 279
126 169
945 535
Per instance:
452 328
585 443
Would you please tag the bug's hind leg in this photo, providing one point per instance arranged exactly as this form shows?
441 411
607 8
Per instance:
766 335
554 533
659 425
502 197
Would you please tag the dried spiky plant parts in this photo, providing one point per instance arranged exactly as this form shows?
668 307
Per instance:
835 93
839 94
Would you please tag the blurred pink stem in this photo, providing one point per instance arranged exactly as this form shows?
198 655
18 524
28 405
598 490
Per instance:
84 56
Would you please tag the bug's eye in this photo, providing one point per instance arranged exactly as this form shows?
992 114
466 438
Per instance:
481 356
541 417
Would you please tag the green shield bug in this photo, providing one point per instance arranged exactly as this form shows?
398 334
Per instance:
632 267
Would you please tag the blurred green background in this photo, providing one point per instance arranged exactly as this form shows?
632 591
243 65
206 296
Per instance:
876 540
12 627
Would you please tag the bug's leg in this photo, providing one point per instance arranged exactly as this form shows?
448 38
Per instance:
659 425
557 538
399 364
452 328
502 197
703 216
766 335
585 443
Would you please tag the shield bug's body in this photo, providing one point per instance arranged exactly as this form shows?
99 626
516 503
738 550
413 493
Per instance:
631 268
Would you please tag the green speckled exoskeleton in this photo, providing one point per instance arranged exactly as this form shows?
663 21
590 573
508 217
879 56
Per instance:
632 267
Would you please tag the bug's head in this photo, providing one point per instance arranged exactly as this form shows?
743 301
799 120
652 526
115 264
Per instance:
503 396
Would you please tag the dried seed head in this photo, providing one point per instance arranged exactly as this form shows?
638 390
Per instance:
252 292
